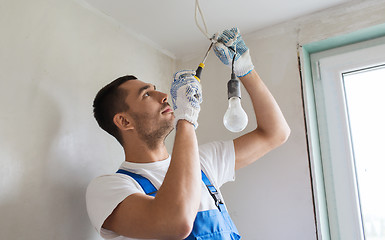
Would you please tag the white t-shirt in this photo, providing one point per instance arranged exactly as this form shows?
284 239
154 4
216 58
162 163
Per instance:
105 192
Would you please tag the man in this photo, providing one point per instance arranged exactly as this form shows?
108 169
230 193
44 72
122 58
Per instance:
182 204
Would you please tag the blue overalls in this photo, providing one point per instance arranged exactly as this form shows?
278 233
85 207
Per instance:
214 224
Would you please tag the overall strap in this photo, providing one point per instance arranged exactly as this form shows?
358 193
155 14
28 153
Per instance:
147 186
213 192
150 189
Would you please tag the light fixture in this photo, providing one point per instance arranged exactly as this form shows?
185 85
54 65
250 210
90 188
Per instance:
235 118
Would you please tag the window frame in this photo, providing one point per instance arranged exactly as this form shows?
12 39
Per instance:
328 203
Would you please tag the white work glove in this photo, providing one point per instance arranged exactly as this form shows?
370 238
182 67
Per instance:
232 38
186 93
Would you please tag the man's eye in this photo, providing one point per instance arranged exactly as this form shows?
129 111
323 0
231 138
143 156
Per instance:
146 94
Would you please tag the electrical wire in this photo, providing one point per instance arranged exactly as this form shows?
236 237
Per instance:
204 31
232 64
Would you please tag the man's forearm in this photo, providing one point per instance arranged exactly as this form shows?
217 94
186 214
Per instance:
272 129
181 188
267 112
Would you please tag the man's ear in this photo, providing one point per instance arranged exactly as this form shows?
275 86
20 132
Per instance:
123 121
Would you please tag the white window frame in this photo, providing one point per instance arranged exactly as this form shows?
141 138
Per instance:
338 190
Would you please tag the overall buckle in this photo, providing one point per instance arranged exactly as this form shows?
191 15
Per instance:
215 195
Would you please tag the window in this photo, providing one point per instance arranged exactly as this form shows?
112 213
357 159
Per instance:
344 101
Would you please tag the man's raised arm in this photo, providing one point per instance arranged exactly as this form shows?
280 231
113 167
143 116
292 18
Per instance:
272 129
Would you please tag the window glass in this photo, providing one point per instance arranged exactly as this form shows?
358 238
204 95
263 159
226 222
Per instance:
365 100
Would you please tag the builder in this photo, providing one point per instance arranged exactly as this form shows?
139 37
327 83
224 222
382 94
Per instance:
155 195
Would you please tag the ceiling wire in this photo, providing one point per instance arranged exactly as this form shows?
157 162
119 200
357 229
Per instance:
204 31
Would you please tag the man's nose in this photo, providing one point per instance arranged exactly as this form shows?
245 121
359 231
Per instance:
164 97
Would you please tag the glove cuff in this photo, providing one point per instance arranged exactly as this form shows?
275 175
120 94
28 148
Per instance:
243 65
188 114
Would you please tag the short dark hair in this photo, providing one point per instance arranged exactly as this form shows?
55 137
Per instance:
110 101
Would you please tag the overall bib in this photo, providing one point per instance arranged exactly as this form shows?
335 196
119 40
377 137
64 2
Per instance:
214 224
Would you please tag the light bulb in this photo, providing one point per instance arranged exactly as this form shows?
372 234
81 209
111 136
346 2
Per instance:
235 118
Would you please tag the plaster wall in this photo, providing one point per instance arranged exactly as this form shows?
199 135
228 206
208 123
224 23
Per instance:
54 57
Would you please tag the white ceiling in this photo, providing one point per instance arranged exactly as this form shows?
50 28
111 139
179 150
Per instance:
170 24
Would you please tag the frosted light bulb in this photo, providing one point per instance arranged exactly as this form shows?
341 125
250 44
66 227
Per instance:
235 119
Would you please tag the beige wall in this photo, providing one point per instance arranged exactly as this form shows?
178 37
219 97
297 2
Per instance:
55 55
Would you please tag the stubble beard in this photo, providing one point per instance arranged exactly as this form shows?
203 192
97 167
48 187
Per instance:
153 134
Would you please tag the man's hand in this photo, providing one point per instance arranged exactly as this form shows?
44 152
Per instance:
186 93
227 43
